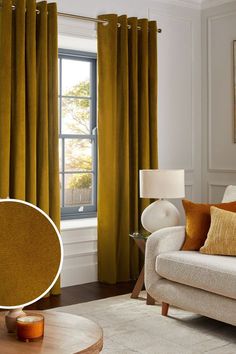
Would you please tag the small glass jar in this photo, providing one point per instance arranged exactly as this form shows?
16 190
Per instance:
30 328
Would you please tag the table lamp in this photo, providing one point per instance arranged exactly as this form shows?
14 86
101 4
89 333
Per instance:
161 184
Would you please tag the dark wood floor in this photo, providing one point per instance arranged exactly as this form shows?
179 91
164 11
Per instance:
83 293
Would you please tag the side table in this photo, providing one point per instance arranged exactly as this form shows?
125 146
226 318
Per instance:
140 241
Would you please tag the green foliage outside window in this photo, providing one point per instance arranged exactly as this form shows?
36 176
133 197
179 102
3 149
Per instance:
79 112
81 181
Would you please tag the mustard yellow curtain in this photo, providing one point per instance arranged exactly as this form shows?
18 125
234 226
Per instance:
28 105
127 137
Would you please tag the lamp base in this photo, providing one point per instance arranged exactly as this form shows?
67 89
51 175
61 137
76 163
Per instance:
160 214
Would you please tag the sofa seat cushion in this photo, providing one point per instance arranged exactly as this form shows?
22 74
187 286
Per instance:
216 274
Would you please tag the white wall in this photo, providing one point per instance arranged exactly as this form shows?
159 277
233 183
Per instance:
80 248
179 112
179 108
219 150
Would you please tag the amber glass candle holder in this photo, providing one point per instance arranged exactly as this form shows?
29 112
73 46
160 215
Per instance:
30 328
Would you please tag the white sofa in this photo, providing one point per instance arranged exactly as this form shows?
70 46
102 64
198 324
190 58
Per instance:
200 283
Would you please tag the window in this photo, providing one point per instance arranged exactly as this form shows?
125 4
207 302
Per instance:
77 134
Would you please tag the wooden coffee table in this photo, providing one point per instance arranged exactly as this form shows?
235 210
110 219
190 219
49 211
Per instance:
63 334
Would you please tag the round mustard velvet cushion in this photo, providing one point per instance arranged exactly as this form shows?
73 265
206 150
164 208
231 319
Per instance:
30 253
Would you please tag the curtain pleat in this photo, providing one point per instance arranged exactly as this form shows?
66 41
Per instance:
152 84
53 158
122 121
29 162
5 97
127 138
143 102
107 213
31 107
54 187
42 109
133 143
17 155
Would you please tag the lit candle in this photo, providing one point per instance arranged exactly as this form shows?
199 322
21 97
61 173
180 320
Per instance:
30 327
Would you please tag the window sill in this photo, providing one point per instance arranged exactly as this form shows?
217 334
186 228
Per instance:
75 224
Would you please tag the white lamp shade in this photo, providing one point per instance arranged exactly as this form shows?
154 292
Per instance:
161 184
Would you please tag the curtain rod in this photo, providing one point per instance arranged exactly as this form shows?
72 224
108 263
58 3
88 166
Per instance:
84 18
92 19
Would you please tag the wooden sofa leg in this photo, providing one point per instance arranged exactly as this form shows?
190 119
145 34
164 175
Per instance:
164 309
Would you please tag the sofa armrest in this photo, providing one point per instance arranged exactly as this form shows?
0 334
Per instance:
164 240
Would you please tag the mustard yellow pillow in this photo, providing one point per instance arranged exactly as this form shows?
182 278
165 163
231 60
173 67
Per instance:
221 238
198 220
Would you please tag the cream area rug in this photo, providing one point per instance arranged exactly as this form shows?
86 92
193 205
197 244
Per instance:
131 326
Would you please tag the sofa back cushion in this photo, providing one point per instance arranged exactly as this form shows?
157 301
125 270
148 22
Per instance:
230 194
198 222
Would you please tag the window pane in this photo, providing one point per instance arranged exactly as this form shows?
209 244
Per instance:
59 76
75 116
78 155
78 189
75 78
59 115
60 181
77 144
60 155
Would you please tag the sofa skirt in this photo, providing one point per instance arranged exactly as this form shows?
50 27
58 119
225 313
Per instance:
195 300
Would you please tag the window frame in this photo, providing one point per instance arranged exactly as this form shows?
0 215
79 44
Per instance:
88 210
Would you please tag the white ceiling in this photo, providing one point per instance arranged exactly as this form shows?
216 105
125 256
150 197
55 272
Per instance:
200 4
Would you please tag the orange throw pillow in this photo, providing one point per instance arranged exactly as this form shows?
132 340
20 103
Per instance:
198 220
